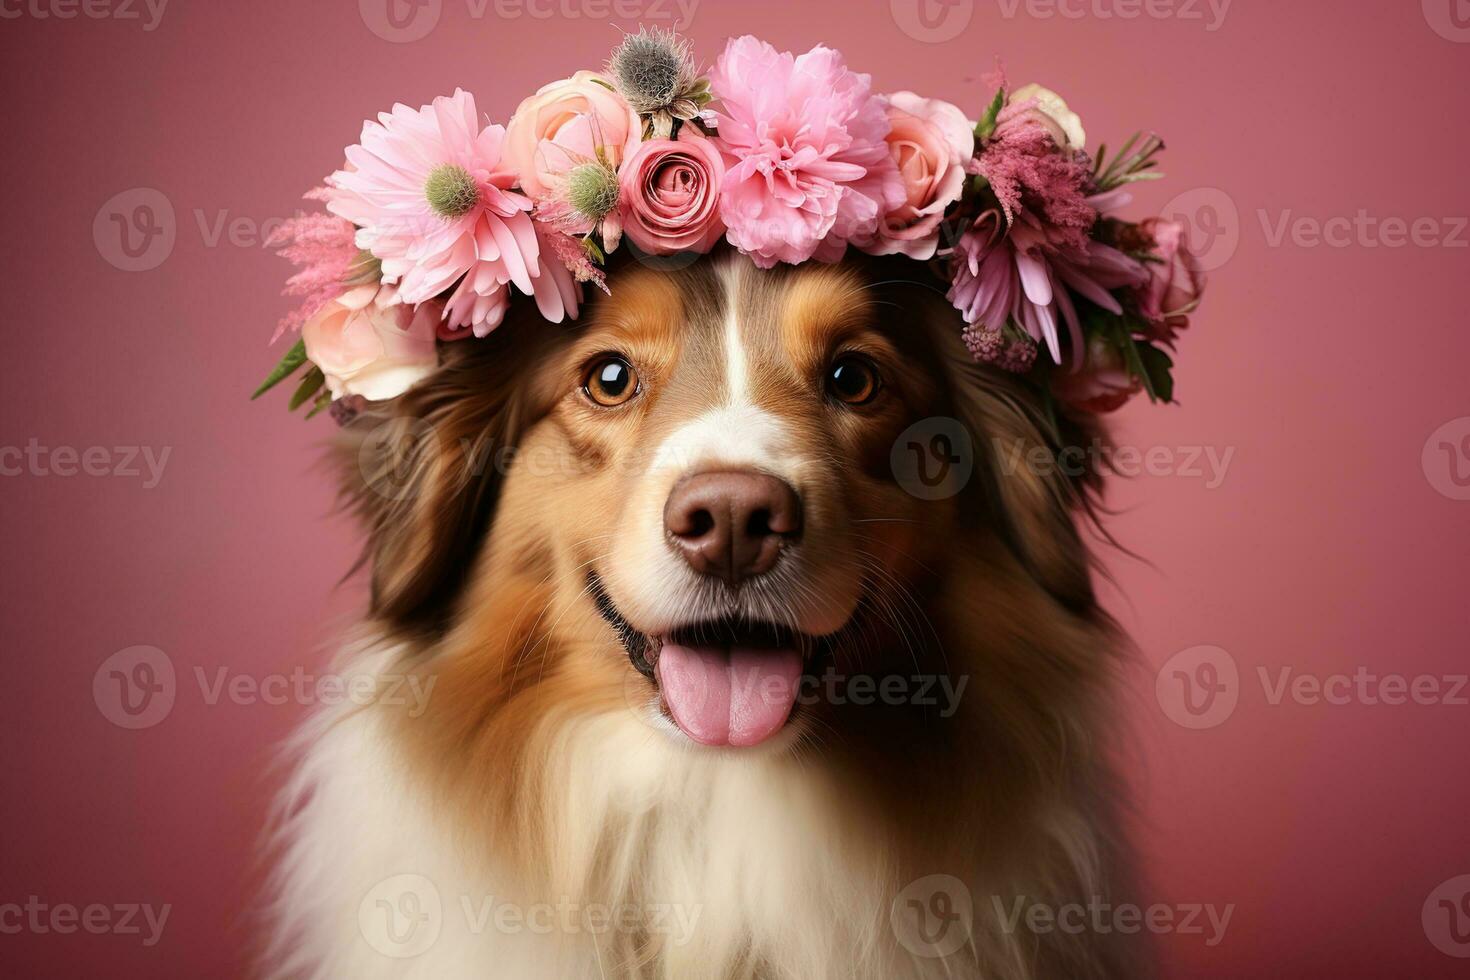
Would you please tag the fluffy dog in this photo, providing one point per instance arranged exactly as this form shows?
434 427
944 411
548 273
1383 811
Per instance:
721 685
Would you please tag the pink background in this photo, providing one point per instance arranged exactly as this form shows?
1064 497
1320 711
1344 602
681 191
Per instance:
1327 546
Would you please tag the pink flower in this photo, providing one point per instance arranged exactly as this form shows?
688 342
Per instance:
1175 282
1021 278
931 141
432 200
321 247
809 167
567 123
369 344
1101 384
670 195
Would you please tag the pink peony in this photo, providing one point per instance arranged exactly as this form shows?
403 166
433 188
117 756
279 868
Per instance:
931 141
1175 282
567 123
670 195
369 344
1101 384
432 200
808 166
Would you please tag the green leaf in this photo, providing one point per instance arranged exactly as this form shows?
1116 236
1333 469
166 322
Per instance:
295 357
323 399
1158 373
311 381
986 125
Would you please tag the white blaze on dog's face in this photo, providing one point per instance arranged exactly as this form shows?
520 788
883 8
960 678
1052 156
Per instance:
731 504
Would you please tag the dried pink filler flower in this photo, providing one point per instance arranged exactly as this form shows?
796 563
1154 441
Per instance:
1031 178
321 247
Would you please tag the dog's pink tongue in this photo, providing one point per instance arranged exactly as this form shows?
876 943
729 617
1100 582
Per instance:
723 696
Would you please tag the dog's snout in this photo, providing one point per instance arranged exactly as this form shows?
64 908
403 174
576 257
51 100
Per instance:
732 523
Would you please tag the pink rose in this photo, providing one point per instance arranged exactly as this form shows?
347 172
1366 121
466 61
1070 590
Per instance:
670 194
1103 382
369 344
1175 282
567 123
931 141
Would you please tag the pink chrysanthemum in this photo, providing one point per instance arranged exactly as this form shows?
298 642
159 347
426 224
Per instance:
809 167
1025 279
431 200
1020 266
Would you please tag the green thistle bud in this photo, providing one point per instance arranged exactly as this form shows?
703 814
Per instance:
592 190
451 191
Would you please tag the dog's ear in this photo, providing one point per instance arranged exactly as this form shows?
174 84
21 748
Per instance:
1034 480
423 471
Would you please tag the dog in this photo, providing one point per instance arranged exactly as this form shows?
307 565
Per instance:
754 645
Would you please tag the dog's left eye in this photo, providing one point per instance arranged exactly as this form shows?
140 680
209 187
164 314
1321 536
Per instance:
852 380
611 381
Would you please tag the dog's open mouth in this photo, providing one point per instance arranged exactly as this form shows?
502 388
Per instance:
722 681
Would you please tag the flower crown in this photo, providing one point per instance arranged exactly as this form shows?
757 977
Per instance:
436 220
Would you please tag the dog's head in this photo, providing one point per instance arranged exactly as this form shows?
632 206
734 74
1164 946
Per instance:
720 481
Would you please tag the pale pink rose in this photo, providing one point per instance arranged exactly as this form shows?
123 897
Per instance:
931 141
565 124
670 194
1175 282
1103 382
1050 110
369 344
807 168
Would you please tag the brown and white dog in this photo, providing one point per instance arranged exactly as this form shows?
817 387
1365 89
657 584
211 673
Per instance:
715 689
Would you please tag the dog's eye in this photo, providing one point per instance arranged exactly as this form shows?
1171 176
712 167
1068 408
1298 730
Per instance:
611 381
852 380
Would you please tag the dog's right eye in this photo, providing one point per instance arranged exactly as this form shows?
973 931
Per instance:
611 381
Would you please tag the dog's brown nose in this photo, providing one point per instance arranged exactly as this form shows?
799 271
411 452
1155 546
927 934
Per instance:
732 523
